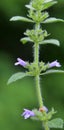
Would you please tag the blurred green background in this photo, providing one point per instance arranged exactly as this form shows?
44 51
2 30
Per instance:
22 94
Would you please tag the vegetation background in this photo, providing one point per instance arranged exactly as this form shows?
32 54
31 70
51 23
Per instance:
21 94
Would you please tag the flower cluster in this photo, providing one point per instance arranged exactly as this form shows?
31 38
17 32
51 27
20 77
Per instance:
28 113
24 64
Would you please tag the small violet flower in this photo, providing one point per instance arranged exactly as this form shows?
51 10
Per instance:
42 109
20 62
54 64
27 113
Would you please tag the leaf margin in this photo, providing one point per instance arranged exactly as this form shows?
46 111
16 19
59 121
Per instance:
51 71
50 41
52 20
16 76
21 18
59 123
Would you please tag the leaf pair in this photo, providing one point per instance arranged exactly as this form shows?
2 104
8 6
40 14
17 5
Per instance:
20 75
24 19
49 41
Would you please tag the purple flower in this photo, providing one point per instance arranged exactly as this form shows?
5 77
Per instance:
54 64
20 62
44 108
27 113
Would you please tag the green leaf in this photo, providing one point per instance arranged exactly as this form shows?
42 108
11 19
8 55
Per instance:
52 71
48 4
29 7
51 113
25 40
56 123
51 41
53 20
20 18
17 76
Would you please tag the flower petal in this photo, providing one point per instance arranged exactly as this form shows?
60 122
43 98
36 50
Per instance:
27 113
20 62
54 64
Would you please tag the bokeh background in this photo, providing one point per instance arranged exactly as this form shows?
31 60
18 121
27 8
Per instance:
22 94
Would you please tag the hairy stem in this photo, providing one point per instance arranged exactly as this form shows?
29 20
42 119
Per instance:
37 78
46 126
39 91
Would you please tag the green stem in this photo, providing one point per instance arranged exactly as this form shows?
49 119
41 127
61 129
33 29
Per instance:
37 78
46 126
39 91
36 54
